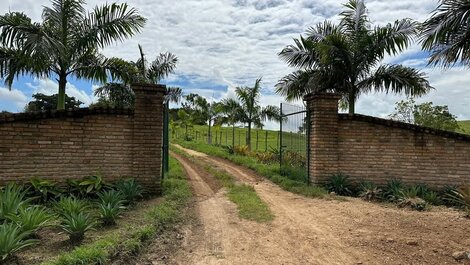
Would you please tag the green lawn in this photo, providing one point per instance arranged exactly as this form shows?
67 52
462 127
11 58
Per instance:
261 140
464 127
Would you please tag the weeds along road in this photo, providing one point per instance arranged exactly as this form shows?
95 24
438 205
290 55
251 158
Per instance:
311 231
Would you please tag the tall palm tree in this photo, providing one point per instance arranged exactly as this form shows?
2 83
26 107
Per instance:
65 43
251 112
139 71
345 58
447 33
231 114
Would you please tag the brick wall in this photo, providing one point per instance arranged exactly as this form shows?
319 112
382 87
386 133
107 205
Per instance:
374 149
58 145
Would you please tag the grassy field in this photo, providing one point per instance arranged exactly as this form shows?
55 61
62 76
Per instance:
261 140
464 127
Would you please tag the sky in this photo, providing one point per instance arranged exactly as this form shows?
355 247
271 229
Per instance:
222 44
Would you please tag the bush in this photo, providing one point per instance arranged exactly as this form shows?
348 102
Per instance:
130 189
13 240
461 197
32 219
70 205
241 150
12 198
110 206
340 185
45 190
369 191
91 185
77 224
393 190
409 198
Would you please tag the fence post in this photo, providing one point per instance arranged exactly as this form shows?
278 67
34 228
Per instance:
266 142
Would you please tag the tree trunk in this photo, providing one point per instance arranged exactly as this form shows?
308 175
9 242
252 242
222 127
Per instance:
209 136
248 137
61 95
233 135
351 103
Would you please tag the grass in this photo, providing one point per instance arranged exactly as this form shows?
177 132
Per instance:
249 204
464 127
129 240
271 172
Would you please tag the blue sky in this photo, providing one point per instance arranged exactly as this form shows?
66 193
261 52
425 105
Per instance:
222 44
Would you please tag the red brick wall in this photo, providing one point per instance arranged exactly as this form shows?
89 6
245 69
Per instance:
73 144
373 149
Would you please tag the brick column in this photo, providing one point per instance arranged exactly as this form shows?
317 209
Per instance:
323 142
148 135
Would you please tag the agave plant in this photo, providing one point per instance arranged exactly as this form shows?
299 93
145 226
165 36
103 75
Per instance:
340 185
461 196
12 198
369 191
77 224
32 219
110 206
393 190
13 239
410 197
70 205
130 189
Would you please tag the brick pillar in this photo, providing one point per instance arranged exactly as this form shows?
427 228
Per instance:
148 135
323 108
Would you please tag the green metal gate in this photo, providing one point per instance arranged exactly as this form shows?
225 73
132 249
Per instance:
166 140
293 142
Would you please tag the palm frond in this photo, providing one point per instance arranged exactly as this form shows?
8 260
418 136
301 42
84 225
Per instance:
174 94
162 66
354 19
300 55
397 79
296 85
394 38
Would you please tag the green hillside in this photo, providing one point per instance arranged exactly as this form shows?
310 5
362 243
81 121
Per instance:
464 127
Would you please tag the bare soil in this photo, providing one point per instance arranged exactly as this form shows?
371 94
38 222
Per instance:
311 231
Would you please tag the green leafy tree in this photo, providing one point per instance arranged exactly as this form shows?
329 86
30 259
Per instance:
65 43
231 113
185 122
446 34
251 112
202 110
139 71
425 114
43 102
345 58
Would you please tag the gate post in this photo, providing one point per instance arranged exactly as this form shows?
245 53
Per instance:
148 135
323 136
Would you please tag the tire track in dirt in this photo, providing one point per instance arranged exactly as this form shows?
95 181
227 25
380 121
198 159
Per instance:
315 231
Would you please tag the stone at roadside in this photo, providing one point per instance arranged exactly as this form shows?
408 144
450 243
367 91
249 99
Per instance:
461 255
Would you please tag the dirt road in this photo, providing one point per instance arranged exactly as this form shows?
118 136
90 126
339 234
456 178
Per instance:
312 231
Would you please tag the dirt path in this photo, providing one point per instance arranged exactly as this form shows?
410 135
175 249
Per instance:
314 231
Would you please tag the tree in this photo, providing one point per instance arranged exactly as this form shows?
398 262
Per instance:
446 34
43 102
251 112
231 114
65 43
184 121
425 114
139 71
345 58
202 110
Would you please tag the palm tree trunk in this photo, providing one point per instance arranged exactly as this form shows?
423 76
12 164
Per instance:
352 103
61 95
209 136
248 136
233 135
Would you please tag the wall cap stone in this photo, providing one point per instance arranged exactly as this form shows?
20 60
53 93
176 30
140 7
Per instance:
325 95
69 113
149 87
404 125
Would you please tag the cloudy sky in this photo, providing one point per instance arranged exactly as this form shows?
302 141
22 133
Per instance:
222 44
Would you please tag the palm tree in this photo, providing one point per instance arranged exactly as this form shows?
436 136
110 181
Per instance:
231 114
140 71
203 111
447 33
65 43
345 58
251 112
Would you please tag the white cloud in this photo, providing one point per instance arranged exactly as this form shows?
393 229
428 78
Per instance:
13 98
49 87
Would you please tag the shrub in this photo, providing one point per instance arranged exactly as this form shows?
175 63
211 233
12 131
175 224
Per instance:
110 206
45 190
241 150
461 197
294 159
32 219
393 190
409 198
70 205
92 185
12 198
130 189
13 240
340 185
369 191
113 197
432 197
447 194
77 224
267 157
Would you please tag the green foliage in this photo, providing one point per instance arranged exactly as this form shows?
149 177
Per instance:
32 218
369 191
110 206
432 197
76 224
13 239
340 185
464 127
92 184
12 198
130 189
249 204
45 190
393 190
461 196
425 114
71 205
409 197
43 102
